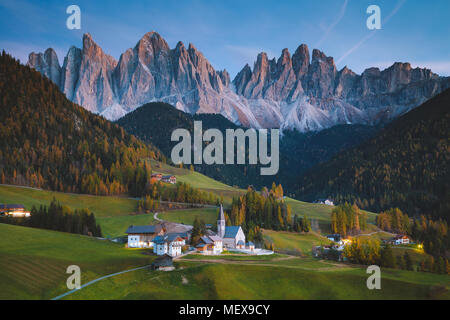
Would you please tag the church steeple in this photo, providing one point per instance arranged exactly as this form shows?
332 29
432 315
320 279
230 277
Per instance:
221 223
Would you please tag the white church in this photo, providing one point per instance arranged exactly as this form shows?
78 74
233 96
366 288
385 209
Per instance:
233 236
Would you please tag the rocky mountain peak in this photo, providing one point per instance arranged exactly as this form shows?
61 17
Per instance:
285 56
298 91
300 60
47 64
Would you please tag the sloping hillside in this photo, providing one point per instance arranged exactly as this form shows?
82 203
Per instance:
49 142
405 165
154 123
34 261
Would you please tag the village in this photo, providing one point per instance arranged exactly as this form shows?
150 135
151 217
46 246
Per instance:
171 240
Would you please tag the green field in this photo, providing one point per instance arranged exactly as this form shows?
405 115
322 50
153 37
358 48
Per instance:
33 262
101 206
187 216
114 214
116 226
321 212
253 281
294 243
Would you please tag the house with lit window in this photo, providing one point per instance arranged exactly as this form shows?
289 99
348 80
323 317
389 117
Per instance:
142 236
156 177
399 239
14 210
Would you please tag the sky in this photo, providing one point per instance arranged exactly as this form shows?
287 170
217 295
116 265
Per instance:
230 33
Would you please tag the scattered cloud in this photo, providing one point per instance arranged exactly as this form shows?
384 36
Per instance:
329 29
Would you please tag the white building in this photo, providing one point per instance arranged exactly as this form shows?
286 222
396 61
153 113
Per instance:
210 245
328 202
400 239
336 238
170 244
14 210
19 214
231 235
142 236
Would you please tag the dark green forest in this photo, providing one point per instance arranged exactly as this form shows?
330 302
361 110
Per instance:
154 123
404 166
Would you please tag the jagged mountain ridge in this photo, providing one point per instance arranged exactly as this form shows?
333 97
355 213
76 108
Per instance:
298 92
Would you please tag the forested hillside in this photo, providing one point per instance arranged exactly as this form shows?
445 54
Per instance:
154 123
46 141
405 166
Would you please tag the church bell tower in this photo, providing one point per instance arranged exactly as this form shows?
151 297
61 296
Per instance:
221 223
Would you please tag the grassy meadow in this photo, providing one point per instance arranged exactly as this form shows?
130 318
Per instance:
102 206
294 243
261 281
187 216
33 262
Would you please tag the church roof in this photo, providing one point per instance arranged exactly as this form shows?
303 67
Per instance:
221 215
231 231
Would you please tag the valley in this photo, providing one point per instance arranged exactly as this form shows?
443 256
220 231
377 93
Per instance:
97 180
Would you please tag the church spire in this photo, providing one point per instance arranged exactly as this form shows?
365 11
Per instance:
221 215
221 223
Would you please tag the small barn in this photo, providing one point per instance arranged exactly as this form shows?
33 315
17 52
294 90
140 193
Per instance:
163 263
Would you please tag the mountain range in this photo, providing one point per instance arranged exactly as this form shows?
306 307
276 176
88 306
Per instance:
291 92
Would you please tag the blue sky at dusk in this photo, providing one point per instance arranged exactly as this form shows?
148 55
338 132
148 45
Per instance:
230 33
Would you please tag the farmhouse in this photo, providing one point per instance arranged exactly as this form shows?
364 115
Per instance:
399 239
169 179
328 202
210 245
335 238
156 176
14 210
170 244
163 263
233 236
142 236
